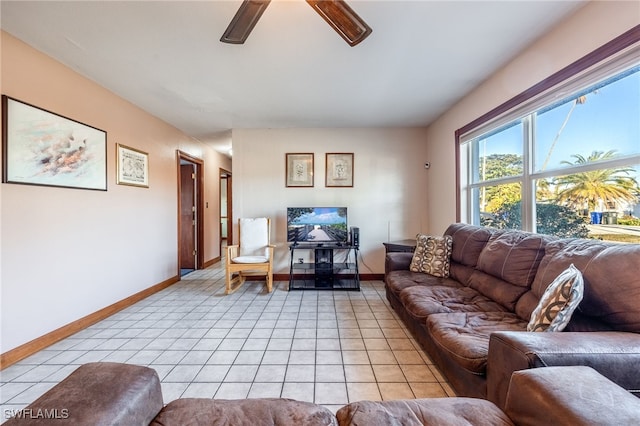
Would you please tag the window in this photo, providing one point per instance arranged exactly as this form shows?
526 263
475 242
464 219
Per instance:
565 161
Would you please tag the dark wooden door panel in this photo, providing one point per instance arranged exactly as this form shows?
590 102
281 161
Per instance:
187 217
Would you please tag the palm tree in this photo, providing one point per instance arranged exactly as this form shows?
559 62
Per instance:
587 189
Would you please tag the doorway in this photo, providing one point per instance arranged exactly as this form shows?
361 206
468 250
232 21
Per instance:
226 209
190 213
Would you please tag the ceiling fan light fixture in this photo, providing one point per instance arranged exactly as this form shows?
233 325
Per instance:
244 20
343 19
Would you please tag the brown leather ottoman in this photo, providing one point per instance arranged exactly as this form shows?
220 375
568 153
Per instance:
97 394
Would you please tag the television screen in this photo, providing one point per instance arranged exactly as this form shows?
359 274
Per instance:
317 224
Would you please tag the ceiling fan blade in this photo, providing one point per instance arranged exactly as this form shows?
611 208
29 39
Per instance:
343 19
244 20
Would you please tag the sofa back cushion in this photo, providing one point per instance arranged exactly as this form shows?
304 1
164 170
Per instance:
496 289
611 282
507 265
468 242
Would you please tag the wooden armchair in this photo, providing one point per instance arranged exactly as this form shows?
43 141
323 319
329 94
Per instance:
252 256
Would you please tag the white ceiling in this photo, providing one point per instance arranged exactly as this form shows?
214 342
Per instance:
294 70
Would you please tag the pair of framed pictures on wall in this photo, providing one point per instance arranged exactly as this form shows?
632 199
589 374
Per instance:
338 170
43 148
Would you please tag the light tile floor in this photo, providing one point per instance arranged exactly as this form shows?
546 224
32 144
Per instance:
327 347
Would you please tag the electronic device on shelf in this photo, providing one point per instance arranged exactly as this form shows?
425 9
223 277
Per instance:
317 225
355 236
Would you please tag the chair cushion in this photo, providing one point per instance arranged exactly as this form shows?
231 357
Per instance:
250 259
254 236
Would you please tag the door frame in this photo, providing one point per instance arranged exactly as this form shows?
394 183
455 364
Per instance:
199 200
228 181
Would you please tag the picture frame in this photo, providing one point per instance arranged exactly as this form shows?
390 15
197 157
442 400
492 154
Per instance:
132 166
339 170
40 147
299 168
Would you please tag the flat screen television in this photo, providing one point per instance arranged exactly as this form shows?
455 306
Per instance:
317 225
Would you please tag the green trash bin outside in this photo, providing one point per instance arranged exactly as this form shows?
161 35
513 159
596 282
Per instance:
610 218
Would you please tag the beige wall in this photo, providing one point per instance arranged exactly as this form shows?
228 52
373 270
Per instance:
589 28
387 201
66 253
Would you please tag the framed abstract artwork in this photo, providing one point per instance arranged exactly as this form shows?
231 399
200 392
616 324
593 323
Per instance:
299 170
339 169
133 166
43 148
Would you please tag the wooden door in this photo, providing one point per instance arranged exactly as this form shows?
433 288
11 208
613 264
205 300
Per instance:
226 209
187 217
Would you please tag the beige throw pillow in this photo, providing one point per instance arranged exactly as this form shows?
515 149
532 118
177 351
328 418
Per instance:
432 255
558 302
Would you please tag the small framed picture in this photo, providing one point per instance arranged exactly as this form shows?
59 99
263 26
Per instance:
299 170
133 166
339 169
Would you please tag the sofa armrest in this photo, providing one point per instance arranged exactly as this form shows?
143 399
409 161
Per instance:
397 261
574 396
99 393
615 355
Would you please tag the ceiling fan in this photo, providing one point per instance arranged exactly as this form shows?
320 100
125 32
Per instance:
336 12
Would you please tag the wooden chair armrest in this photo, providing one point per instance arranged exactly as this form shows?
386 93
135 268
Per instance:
232 251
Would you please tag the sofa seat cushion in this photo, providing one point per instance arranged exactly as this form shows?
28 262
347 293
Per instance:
464 336
396 281
254 412
418 412
422 301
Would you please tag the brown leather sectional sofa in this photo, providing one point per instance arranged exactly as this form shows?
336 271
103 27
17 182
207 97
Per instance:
101 394
473 323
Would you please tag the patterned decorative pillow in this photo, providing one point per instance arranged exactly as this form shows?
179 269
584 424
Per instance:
558 302
432 255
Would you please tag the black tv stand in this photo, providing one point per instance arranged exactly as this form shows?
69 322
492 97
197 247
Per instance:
325 272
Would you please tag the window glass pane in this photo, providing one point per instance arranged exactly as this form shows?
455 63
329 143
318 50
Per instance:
500 205
499 153
556 218
604 118
601 204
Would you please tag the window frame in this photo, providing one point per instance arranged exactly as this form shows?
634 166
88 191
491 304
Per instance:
572 74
